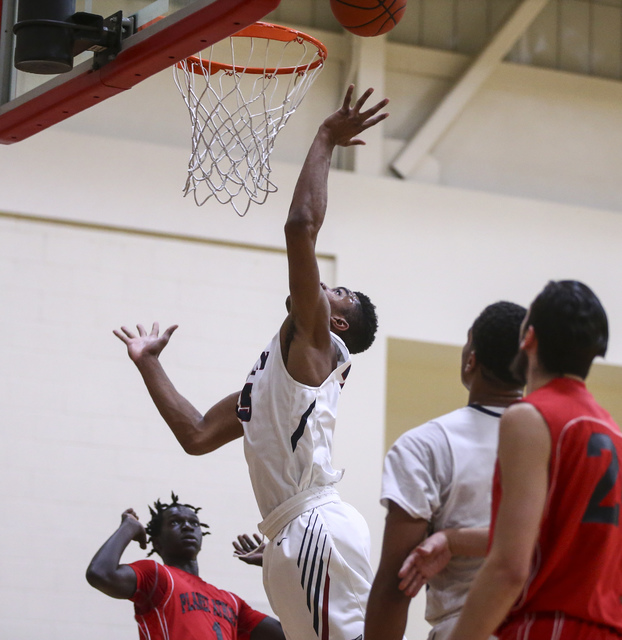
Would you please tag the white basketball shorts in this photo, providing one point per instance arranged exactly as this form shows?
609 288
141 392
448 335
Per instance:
317 574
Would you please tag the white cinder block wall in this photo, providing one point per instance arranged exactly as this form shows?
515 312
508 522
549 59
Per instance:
94 233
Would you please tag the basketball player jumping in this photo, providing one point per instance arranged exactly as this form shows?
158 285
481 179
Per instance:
554 569
316 565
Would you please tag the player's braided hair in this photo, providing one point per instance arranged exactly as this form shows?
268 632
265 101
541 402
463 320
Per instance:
154 526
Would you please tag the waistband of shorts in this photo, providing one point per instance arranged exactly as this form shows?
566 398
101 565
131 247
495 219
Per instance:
296 505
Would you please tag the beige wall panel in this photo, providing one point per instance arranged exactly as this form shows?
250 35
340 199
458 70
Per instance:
423 382
605 382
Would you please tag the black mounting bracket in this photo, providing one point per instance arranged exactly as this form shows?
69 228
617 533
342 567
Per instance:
79 32
102 36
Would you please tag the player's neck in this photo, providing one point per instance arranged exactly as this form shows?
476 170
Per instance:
495 398
189 566
485 391
573 377
537 378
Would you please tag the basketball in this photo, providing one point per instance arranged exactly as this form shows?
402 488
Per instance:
368 17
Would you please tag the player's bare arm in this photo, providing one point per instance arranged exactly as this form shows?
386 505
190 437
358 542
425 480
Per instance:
524 454
387 608
197 433
431 556
268 629
104 572
306 333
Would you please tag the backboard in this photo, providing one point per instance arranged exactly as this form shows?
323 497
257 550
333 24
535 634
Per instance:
162 33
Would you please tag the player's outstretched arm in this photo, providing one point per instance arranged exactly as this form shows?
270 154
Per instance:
197 433
387 608
104 572
434 553
249 550
308 207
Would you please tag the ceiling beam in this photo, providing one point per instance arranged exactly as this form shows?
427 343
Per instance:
466 87
368 69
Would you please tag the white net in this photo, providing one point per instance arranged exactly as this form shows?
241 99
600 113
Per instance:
239 95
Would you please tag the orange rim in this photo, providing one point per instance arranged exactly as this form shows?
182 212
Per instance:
266 31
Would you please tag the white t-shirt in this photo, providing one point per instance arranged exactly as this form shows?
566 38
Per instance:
442 472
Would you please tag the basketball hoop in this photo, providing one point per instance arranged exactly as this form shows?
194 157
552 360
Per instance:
238 106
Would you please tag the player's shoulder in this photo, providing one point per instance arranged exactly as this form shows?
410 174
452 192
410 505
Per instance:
427 439
520 411
146 566
522 422
436 430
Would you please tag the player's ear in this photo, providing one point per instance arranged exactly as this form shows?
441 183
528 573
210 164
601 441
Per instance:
529 338
470 363
339 323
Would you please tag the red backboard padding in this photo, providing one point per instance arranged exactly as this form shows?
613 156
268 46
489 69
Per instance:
148 52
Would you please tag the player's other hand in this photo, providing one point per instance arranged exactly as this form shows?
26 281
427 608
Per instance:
424 562
249 550
345 125
144 344
130 519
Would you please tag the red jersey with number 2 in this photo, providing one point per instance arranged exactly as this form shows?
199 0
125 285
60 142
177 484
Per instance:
577 564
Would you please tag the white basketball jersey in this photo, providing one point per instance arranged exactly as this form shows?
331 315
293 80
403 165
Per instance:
288 427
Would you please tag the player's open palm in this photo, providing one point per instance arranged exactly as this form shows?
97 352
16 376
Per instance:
344 125
249 550
142 343
424 562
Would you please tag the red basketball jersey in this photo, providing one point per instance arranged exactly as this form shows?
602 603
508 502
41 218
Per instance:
577 564
171 604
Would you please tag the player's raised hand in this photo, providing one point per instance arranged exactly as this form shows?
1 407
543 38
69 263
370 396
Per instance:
424 562
345 125
143 343
248 550
129 518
